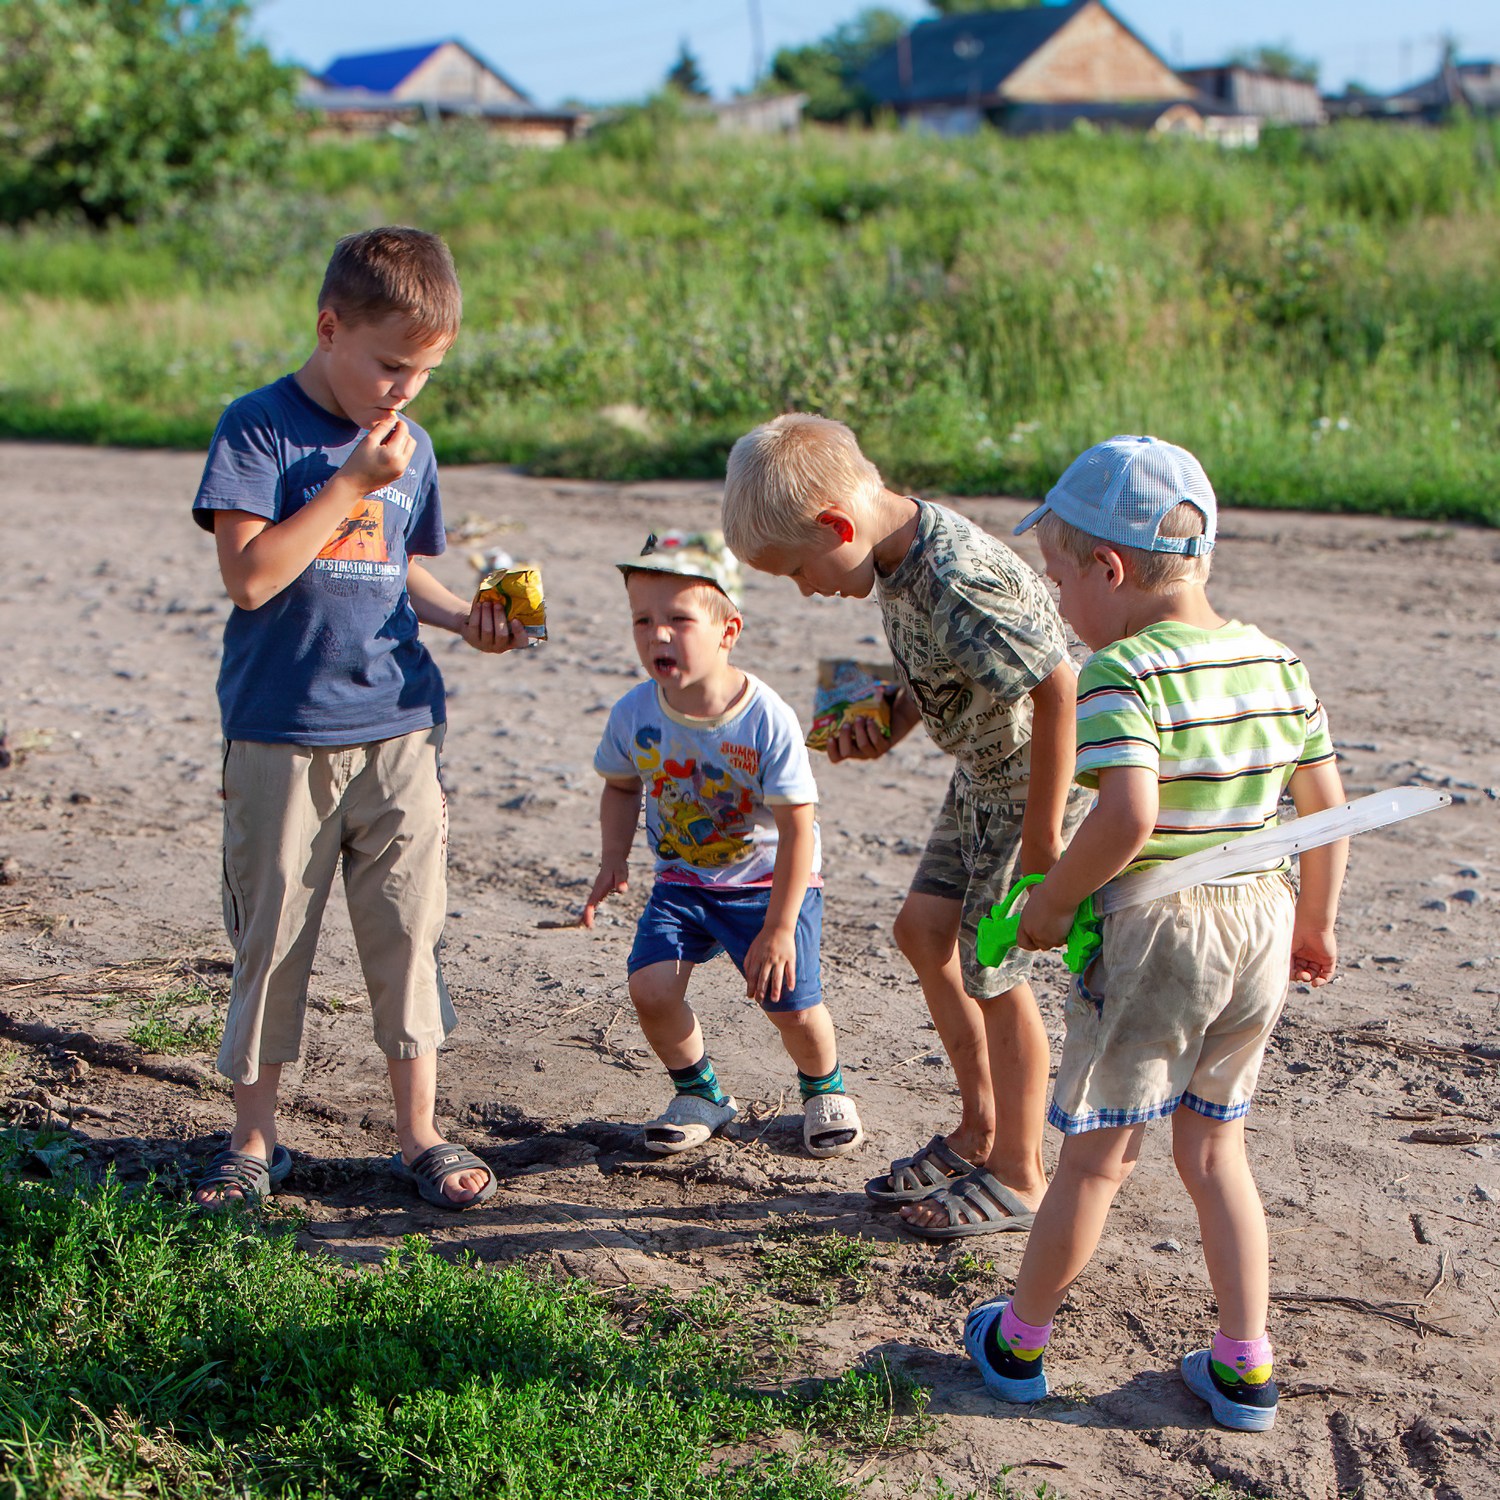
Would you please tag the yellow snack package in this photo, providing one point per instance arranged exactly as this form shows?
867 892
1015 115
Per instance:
520 591
849 690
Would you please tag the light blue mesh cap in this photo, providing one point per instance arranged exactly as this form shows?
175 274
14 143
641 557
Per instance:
1120 489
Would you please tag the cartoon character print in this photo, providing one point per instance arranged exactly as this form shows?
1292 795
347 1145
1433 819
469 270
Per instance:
701 810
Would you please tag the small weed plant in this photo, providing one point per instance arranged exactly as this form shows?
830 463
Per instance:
800 1264
164 1024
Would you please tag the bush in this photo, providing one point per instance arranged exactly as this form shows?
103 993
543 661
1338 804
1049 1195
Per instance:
118 108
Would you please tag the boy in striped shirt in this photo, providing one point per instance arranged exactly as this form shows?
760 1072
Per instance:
1190 727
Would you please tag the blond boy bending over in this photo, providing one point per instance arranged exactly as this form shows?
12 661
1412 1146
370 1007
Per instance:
982 657
1191 727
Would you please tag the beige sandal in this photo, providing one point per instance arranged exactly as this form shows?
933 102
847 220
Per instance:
830 1125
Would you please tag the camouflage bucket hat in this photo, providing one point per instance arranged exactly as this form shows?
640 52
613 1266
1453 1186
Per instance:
689 554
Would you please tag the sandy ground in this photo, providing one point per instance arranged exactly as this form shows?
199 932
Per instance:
1385 1273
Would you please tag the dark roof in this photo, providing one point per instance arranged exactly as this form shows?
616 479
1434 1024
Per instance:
1007 37
380 72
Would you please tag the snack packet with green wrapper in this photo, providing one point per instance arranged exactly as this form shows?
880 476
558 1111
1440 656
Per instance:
849 690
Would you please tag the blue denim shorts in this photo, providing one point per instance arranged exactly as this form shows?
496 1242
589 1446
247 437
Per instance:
691 923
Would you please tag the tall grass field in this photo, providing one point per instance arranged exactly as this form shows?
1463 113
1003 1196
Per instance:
1318 318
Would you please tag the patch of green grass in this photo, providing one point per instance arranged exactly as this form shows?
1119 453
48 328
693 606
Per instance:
163 1026
799 1264
145 1351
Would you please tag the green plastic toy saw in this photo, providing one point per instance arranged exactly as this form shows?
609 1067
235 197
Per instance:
997 932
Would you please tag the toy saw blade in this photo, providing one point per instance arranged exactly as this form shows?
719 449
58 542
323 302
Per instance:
1259 851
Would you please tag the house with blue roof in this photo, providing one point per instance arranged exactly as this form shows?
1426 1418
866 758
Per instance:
367 92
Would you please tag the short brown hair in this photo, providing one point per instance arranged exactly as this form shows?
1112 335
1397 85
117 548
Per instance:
1152 572
395 270
784 473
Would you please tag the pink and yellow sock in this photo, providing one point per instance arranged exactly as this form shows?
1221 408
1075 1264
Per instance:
1241 1361
1023 1340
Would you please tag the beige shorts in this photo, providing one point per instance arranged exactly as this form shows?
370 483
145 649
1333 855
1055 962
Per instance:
973 856
290 812
1177 1008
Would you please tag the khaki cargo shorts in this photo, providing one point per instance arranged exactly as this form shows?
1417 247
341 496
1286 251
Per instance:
973 856
1177 1008
291 813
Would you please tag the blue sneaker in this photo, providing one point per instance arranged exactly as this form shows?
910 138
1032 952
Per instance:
1235 1404
1006 1375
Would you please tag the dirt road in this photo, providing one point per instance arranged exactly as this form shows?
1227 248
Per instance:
1385 1274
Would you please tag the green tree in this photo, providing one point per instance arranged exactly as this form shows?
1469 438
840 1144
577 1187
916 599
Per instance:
118 108
685 76
827 70
1280 62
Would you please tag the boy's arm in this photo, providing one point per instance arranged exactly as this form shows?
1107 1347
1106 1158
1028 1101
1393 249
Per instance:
619 812
257 559
1054 707
861 740
1107 840
482 624
771 961
1321 877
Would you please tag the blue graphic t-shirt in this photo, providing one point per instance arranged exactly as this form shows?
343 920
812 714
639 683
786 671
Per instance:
710 784
334 658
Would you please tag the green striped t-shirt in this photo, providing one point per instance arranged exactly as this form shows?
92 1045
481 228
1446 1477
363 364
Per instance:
1222 717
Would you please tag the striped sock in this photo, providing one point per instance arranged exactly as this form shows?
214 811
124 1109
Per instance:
700 1079
829 1083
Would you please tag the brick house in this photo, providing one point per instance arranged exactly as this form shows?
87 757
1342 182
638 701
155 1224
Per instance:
1043 67
369 92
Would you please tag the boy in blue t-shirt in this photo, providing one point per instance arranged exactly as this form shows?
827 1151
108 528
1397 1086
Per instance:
730 804
320 495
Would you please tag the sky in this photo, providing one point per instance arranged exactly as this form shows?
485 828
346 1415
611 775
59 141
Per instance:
607 51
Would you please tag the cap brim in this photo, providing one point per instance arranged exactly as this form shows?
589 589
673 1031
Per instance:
1032 519
649 564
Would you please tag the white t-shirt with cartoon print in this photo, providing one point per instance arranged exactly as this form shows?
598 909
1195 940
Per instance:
710 784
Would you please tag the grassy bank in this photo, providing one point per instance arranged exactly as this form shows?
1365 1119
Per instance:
1318 319
144 1353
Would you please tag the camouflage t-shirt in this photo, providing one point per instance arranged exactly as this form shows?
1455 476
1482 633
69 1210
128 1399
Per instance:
973 630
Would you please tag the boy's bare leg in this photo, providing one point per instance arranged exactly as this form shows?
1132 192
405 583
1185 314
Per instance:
926 932
414 1091
1017 1053
1211 1160
671 1029
808 1038
1090 1169
254 1127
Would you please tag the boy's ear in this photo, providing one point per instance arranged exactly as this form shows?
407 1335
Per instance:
732 628
838 523
328 322
1112 563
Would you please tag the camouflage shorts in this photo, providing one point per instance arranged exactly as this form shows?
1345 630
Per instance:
973 856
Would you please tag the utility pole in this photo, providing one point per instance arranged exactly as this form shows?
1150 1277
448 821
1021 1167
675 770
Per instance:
757 44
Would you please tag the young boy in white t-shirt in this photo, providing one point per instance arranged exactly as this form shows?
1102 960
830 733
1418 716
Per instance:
730 800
